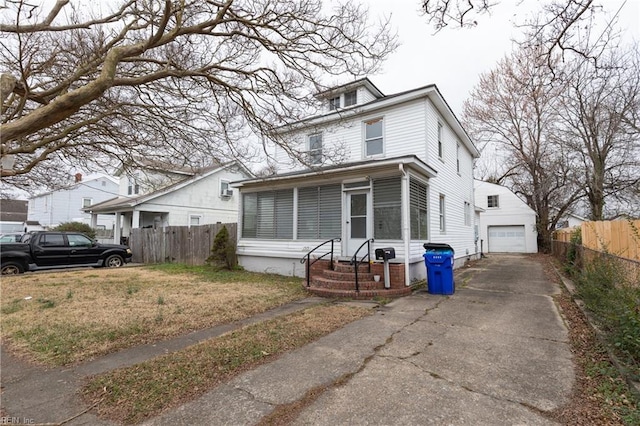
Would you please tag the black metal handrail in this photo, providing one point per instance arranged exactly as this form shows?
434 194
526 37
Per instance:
307 257
355 262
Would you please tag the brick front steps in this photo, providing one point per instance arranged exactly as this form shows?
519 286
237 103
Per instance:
341 281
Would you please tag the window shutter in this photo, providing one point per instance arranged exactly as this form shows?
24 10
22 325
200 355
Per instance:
418 209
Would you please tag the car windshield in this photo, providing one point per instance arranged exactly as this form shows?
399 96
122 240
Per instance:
10 238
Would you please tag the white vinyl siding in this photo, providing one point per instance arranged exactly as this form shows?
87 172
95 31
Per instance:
387 215
319 212
418 209
467 214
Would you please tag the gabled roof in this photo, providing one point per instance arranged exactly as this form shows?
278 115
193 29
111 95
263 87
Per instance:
127 202
430 91
74 185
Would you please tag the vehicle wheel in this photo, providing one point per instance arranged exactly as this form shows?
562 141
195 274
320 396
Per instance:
114 261
12 268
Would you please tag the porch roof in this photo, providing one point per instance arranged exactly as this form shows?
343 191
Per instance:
343 170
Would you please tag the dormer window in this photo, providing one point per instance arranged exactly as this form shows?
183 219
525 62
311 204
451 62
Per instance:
350 98
334 103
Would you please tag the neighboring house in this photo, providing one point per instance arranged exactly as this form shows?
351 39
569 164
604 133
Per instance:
67 204
13 215
404 177
176 198
570 220
507 224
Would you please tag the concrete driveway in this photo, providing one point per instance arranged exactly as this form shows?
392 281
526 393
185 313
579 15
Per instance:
495 352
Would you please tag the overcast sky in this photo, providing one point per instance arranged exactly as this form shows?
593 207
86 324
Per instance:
453 59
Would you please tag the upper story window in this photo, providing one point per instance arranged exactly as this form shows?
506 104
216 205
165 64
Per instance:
493 201
194 220
315 148
334 103
133 188
350 98
86 202
440 147
373 141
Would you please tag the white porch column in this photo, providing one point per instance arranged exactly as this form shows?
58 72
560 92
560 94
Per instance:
117 232
135 220
94 220
406 218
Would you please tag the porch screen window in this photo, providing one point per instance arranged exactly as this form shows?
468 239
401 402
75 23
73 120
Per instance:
268 215
319 212
373 137
418 209
387 214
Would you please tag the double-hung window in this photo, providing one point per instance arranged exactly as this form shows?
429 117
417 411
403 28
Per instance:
86 202
442 213
373 140
315 148
350 98
334 103
493 201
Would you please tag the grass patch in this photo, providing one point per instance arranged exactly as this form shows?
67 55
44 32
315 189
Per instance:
136 393
66 317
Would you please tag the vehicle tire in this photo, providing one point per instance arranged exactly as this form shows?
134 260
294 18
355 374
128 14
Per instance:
114 261
12 268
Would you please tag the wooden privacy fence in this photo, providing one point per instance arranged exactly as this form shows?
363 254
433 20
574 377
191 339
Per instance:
177 244
620 237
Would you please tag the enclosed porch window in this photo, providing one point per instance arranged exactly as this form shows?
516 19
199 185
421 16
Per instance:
387 212
319 212
418 209
268 214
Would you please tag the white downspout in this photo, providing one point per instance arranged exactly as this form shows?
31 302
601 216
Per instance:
405 222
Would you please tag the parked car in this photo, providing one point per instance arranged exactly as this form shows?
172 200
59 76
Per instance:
52 250
13 237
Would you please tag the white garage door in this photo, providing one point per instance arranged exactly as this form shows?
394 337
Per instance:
507 239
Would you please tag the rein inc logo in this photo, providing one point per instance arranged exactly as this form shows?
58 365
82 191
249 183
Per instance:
16 421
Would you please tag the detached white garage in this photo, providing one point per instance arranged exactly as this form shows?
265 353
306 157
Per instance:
507 239
507 224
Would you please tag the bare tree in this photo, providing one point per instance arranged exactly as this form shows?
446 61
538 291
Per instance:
553 27
513 111
599 110
184 81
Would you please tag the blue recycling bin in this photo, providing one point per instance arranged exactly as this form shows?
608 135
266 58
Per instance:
438 259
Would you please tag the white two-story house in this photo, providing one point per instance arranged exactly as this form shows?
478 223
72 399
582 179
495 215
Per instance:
395 170
67 204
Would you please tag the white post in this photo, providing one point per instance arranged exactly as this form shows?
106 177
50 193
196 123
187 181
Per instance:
117 232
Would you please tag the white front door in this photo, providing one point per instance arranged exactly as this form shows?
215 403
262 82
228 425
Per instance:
357 220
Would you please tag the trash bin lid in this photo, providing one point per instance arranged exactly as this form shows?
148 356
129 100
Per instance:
438 247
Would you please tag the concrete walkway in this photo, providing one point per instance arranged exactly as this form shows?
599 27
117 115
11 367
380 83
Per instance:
495 352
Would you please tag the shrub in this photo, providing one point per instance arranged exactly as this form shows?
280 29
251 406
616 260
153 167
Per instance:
223 252
77 227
